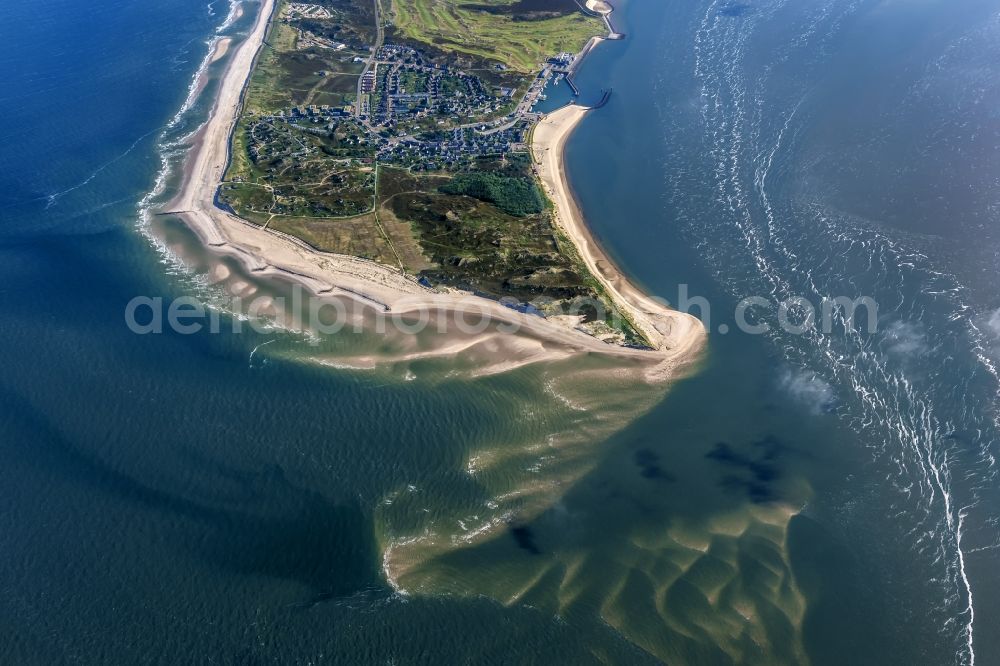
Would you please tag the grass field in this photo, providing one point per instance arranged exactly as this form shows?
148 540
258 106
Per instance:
472 244
356 236
482 226
520 42
292 72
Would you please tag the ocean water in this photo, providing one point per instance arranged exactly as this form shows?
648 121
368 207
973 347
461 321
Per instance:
830 149
237 498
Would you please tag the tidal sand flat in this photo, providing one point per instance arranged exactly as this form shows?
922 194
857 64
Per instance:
280 494
221 48
676 337
716 587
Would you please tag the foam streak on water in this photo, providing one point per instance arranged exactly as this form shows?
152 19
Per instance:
932 430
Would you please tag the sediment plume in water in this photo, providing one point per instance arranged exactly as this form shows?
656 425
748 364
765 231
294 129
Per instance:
536 525
716 590
522 515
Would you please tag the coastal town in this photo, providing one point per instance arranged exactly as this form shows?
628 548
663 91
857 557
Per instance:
411 108
417 113
363 139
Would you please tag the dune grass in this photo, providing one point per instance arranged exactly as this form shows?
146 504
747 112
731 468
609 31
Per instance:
522 45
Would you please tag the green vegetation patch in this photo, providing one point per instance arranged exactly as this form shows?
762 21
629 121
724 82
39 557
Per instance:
506 32
310 60
528 10
299 168
473 244
357 236
518 196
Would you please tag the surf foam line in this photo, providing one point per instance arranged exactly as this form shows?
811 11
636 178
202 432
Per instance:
197 81
937 471
724 89
172 152
234 13
254 351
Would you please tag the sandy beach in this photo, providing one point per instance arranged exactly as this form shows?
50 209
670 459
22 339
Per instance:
677 337
221 48
599 6
665 329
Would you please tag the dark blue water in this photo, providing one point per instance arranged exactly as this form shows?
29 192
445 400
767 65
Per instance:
87 89
824 498
175 498
836 149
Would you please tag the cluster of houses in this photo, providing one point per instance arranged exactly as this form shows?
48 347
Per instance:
305 10
452 148
309 40
402 99
399 53
472 99
314 112
564 59
368 80
442 93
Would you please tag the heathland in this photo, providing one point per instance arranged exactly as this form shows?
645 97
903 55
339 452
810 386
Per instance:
400 134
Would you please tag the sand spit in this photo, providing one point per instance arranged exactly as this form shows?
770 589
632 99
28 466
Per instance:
677 337
221 48
667 330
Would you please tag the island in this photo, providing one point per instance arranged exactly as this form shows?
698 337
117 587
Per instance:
390 152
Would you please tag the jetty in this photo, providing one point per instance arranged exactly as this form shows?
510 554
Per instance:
606 95
612 33
572 86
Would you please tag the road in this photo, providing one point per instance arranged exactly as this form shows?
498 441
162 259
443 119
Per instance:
379 38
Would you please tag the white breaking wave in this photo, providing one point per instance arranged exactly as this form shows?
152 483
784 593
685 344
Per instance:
234 12
745 145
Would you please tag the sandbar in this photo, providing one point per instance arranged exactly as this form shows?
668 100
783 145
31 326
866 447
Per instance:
676 338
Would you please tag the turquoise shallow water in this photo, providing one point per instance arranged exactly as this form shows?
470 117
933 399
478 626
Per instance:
185 498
